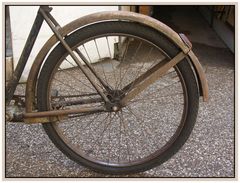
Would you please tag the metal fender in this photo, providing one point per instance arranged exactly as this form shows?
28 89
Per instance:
107 16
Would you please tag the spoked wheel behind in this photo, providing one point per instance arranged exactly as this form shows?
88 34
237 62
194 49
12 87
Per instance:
123 139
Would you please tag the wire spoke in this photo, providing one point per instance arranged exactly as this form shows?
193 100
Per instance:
119 142
121 60
126 132
114 74
70 74
155 99
99 140
100 59
136 51
71 87
86 53
96 142
139 70
65 84
157 91
142 127
88 125
133 134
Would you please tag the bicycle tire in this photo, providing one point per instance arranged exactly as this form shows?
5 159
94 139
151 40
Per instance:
183 69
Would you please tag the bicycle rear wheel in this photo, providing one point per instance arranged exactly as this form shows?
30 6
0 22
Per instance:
149 129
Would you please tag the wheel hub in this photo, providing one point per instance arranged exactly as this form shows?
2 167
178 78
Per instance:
115 97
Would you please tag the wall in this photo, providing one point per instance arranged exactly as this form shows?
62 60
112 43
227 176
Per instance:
22 18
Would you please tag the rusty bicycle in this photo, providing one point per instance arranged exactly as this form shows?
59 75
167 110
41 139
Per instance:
117 92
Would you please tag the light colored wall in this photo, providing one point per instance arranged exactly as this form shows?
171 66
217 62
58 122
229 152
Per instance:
22 18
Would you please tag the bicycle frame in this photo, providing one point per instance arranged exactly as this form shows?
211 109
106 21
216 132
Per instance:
11 87
46 116
44 14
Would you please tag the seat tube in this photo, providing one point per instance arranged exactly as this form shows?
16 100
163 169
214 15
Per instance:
12 84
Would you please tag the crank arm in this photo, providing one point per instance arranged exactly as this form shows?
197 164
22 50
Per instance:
150 76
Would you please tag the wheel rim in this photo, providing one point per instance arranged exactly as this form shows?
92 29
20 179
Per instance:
105 138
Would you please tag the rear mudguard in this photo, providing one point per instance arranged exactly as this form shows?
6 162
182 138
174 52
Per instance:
107 16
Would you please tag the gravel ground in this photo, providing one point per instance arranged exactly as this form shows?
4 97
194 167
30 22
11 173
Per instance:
209 152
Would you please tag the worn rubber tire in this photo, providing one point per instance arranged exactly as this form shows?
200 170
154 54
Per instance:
146 33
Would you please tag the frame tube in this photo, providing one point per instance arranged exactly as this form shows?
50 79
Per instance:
12 84
63 42
106 16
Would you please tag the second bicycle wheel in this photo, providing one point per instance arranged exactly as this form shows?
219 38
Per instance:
145 132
